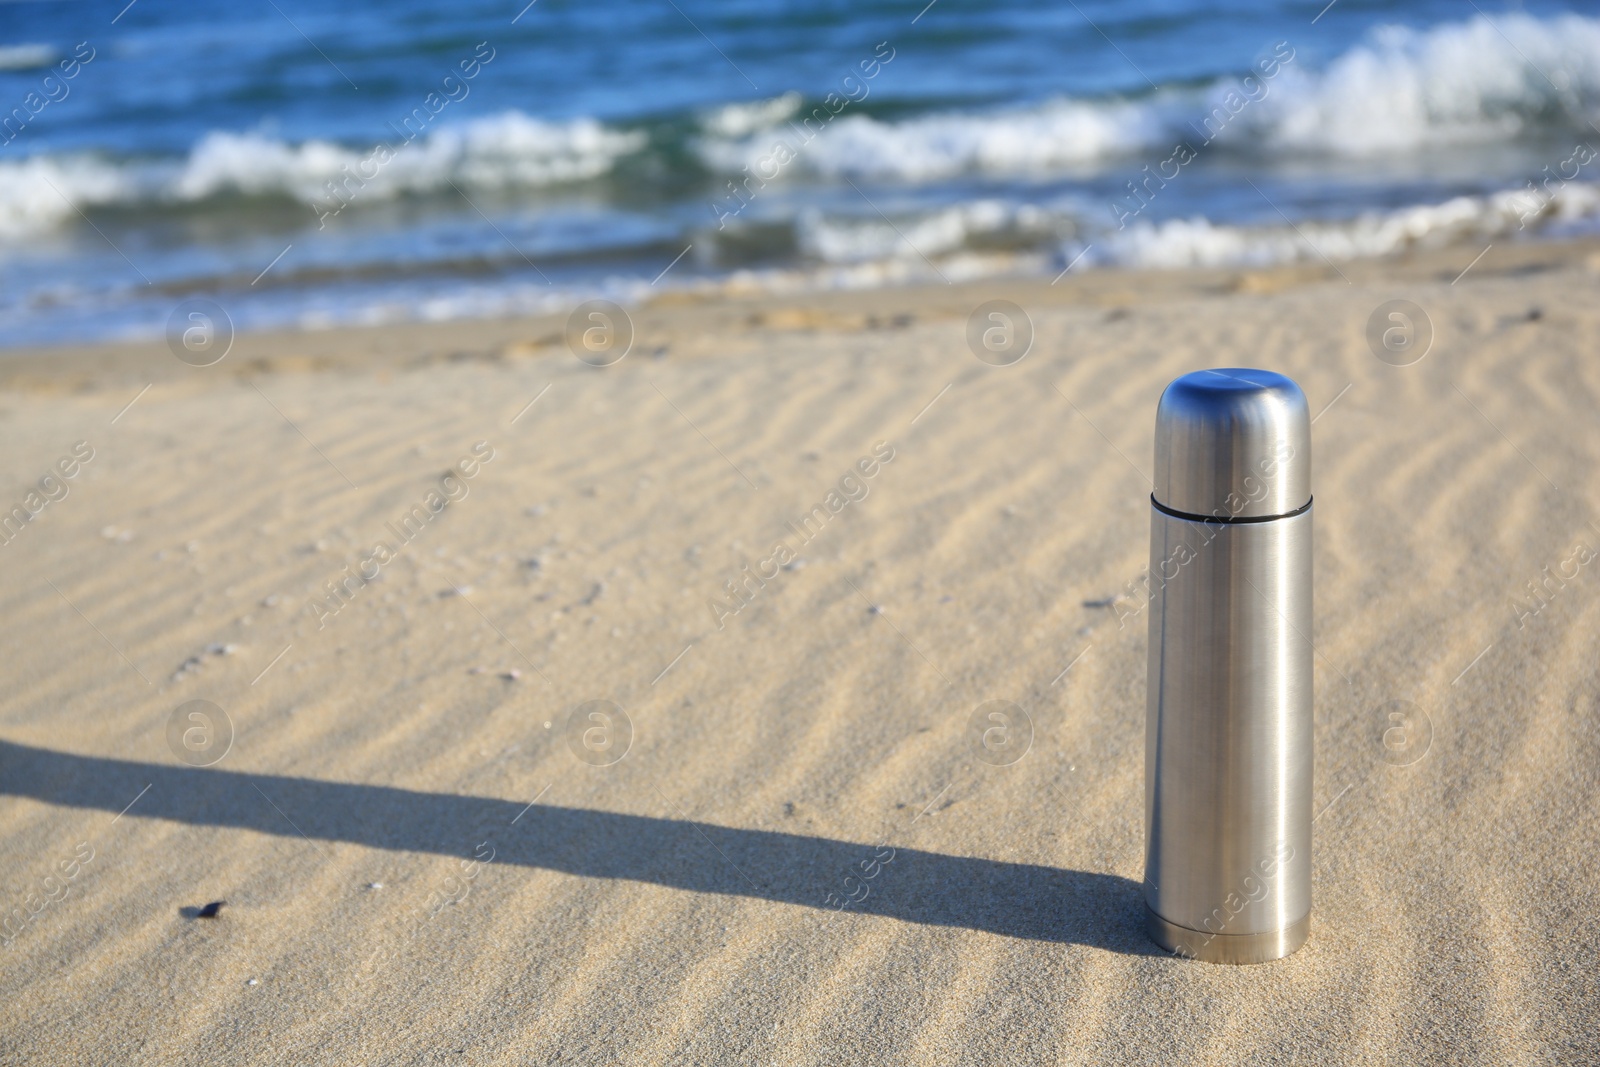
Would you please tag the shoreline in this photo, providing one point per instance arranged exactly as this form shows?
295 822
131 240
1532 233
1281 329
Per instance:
670 318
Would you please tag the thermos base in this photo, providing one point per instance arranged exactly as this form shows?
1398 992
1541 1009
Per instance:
1226 948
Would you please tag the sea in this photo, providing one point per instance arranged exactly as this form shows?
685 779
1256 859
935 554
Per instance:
308 165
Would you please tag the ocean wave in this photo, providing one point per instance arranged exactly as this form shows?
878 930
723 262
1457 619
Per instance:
965 242
26 56
40 193
1001 227
509 150
1471 82
1038 140
1399 90
1199 242
743 118
979 223
506 150
1457 83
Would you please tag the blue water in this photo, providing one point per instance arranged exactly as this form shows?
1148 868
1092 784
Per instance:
594 143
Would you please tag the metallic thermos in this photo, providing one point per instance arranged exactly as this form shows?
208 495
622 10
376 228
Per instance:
1228 724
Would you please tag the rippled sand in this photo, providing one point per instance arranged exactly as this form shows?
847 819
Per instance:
418 868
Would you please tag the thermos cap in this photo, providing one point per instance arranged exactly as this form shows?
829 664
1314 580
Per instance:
1233 443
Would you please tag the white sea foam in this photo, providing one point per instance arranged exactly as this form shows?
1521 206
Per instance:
860 239
1470 82
1004 228
839 240
861 252
509 149
26 56
1199 242
1048 138
941 233
505 150
741 119
38 194
1457 83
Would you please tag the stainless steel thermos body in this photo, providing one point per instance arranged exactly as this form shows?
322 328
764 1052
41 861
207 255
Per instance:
1228 731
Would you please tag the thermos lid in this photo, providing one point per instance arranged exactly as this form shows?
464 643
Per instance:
1233 444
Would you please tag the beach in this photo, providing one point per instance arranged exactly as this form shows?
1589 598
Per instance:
403 563
484 165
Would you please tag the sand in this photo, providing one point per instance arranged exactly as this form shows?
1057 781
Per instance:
801 858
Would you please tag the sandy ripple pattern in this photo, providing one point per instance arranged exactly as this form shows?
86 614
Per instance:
783 839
